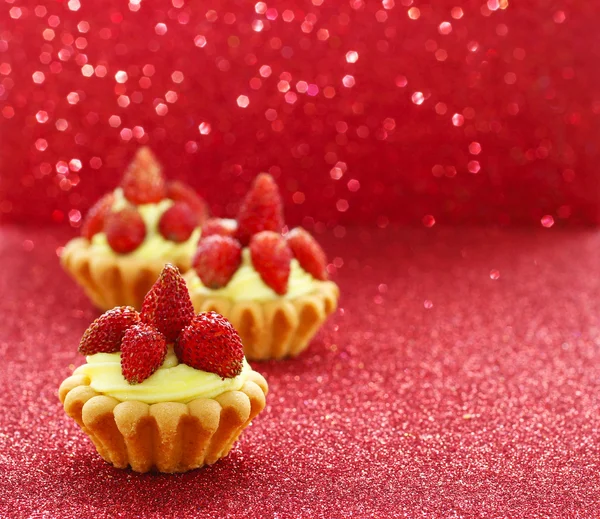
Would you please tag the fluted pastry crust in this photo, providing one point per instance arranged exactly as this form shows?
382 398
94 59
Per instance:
167 436
277 328
118 280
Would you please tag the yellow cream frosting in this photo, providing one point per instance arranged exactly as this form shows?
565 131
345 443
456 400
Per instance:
172 382
154 245
246 283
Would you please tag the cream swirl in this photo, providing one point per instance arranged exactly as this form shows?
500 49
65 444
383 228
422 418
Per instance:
172 382
154 245
246 283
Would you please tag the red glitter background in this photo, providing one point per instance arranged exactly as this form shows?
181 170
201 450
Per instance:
368 112
436 391
460 376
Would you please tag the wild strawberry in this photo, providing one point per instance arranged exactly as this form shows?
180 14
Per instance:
167 306
178 222
308 252
271 257
219 226
210 343
125 230
94 220
216 260
105 334
181 192
261 210
143 350
143 181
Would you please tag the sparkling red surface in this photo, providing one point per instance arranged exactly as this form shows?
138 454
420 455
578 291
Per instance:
459 378
460 111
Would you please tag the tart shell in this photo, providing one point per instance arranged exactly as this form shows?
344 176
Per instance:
119 280
168 436
273 329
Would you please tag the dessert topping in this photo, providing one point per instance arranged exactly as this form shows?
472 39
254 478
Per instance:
308 252
143 181
271 257
181 192
217 259
167 306
206 341
105 334
125 230
143 350
178 222
94 220
219 226
261 210
210 343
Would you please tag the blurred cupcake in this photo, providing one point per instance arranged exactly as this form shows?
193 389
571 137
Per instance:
129 235
163 389
273 288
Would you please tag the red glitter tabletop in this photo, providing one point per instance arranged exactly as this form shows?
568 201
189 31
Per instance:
367 112
459 378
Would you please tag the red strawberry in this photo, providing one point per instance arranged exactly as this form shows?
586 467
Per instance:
125 230
94 220
167 306
180 192
219 226
178 222
143 350
211 344
105 334
216 260
143 181
308 252
271 258
261 210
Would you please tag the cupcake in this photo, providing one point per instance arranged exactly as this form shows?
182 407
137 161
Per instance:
164 389
129 235
273 287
